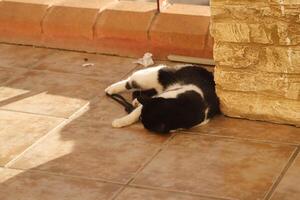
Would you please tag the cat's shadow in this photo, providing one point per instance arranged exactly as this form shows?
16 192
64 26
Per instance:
87 147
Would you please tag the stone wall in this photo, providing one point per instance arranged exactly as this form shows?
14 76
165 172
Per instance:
257 54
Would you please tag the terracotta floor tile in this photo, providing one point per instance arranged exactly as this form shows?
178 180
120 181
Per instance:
289 187
93 149
34 1
6 75
216 167
105 110
25 185
88 64
19 130
21 56
8 93
55 94
241 128
145 194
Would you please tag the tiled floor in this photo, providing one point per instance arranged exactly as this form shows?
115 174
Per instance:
56 141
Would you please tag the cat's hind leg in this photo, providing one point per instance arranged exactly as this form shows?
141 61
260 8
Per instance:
144 79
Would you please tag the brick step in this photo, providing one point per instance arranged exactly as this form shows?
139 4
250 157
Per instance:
123 28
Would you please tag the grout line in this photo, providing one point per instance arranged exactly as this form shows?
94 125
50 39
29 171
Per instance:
99 14
78 51
43 19
117 193
33 65
103 180
78 74
156 152
147 162
151 25
260 141
16 76
228 68
207 35
19 97
32 113
257 44
95 24
60 125
180 192
117 183
282 174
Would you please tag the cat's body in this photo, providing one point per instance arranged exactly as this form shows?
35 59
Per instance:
169 98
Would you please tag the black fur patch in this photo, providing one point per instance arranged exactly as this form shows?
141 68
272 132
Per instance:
128 86
196 75
148 93
188 109
132 85
135 85
163 115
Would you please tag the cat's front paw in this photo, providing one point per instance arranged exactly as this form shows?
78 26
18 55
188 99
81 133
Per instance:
110 90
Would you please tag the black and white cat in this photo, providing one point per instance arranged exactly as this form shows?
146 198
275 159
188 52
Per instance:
170 98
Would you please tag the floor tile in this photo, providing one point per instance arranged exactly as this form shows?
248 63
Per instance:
90 148
25 185
7 74
55 94
105 110
145 194
19 131
241 128
112 67
21 56
289 187
216 167
8 93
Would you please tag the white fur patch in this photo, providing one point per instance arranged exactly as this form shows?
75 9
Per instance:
148 78
177 89
128 119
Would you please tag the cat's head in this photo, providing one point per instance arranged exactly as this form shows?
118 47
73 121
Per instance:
158 114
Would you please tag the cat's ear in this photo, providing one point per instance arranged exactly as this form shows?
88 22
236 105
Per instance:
143 99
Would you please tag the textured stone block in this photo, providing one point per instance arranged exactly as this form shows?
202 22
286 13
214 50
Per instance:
288 33
254 13
270 84
243 32
277 59
285 2
259 107
282 59
272 24
20 21
257 56
238 2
